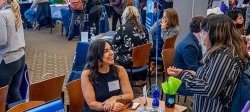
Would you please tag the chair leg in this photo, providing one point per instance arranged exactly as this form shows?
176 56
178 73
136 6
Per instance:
62 96
62 28
185 99
51 27
178 98
163 79
67 107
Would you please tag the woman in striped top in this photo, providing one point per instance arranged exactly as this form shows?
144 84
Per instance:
214 83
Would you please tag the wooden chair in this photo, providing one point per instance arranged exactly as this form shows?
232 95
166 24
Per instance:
46 90
76 99
168 60
169 43
3 97
25 106
140 57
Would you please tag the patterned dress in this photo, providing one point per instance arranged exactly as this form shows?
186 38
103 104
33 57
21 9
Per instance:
127 37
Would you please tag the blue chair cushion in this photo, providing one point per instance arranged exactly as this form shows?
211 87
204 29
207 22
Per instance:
74 75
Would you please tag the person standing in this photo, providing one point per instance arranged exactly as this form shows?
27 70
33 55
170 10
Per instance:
76 13
118 6
12 45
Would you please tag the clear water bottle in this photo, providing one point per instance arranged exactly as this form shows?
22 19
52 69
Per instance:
155 102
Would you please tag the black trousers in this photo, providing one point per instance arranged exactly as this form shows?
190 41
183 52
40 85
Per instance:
115 18
10 74
94 18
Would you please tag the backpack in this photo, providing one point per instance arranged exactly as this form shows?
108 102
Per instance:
77 5
242 92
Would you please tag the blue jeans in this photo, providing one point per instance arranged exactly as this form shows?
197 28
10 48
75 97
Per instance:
30 15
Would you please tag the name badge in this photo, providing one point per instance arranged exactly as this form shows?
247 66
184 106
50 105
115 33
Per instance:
114 85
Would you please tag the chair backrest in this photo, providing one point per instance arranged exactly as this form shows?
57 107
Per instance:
3 96
43 15
46 90
76 99
169 43
25 106
168 58
140 55
80 56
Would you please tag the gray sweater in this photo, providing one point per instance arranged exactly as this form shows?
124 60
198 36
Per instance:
12 42
170 32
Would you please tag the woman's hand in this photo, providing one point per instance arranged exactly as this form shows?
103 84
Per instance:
173 71
193 73
163 23
118 107
109 103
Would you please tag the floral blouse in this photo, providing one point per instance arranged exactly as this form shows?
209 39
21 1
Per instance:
127 37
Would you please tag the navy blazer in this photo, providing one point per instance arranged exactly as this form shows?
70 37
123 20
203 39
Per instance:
188 53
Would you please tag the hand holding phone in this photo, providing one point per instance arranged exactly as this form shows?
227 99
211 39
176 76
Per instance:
163 23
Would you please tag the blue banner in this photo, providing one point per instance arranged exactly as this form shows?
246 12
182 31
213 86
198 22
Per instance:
149 14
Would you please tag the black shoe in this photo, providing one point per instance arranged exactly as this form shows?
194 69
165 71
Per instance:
70 38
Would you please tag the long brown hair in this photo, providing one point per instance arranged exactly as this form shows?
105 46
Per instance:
16 10
173 19
221 31
94 58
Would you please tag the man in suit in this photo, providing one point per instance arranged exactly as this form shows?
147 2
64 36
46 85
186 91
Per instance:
188 52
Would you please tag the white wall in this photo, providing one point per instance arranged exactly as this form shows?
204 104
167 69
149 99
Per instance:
187 9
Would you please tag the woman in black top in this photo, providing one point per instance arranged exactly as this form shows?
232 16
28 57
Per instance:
130 34
105 85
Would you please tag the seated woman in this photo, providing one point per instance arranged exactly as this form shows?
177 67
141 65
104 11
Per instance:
225 60
130 34
105 85
30 14
168 26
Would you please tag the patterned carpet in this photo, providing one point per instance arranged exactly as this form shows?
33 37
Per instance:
52 54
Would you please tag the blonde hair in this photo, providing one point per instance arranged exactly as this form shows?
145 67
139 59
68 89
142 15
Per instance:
173 19
131 15
16 10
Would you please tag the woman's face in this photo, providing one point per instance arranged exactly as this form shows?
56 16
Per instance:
165 17
108 56
239 19
2 3
206 40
